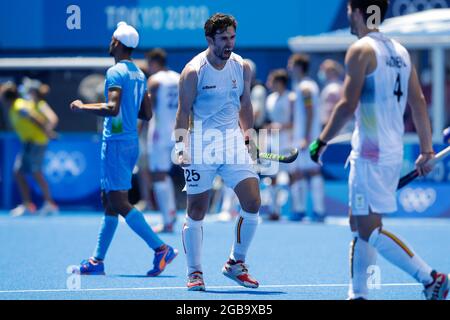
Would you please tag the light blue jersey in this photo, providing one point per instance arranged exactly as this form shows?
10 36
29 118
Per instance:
126 76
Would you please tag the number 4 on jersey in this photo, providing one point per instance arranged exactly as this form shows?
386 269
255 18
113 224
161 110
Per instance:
398 88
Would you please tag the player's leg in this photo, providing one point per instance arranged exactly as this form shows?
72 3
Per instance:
121 157
37 159
165 199
246 186
22 166
379 183
393 248
299 193
164 254
160 163
362 255
108 226
397 251
192 235
248 194
107 230
317 188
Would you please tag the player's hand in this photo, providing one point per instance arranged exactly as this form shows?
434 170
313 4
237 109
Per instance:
252 148
76 105
316 149
184 160
182 157
423 165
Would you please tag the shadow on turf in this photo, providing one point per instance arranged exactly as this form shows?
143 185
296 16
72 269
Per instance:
138 276
249 292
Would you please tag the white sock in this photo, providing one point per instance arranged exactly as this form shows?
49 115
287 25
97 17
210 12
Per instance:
192 236
362 256
299 195
397 252
172 201
164 196
318 194
246 225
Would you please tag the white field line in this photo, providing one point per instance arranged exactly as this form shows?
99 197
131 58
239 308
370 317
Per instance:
281 286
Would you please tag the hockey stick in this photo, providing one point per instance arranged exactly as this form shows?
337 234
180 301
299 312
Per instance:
289 157
282 158
414 174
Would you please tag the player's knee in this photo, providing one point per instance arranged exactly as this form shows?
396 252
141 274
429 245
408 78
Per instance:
119 206
197 211
365 232
252 205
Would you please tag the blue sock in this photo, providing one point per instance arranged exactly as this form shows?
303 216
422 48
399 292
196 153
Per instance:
105 236
135 219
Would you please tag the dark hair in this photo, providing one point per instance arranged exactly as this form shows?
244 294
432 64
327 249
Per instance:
362 5
9 91
301 60
280 75
218 23
158 55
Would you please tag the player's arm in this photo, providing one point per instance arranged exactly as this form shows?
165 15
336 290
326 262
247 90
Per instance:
153 87
145 110
246 117
109 109
358 60
421 119
290 124
39 120
187 93
50 115
307 97
35 117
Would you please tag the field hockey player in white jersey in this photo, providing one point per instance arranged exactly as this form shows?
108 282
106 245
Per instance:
307 176
380 80
163 86
215 95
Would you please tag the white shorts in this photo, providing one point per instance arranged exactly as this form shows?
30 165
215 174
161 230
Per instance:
373 186
160 158
199 177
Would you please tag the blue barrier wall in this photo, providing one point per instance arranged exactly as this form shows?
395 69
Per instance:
71 166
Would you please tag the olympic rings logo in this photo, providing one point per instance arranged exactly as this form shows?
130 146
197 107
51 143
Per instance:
402 7
63 165
417 200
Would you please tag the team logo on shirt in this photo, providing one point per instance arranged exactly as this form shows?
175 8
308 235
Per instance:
234 86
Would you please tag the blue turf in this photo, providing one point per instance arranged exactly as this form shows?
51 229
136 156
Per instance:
285 258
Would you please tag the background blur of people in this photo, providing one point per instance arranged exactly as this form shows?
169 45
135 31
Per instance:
258 96
307 175
330 76
279 116
163 87
34 122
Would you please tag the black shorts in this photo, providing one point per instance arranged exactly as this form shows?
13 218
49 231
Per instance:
30 159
